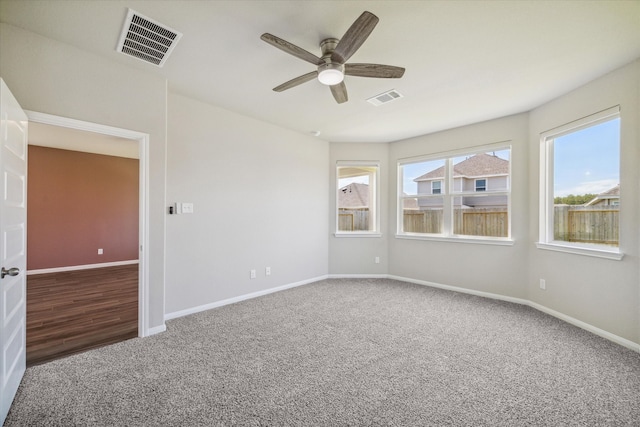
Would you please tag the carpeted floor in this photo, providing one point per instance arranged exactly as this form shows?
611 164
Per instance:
345 352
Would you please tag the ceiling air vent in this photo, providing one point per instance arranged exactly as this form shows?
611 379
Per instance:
385 97
146 39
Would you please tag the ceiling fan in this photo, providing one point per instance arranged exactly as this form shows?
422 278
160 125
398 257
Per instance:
332 66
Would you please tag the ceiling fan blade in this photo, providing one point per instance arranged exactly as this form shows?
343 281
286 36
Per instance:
339 92
354 37
297 81
373 70
291 49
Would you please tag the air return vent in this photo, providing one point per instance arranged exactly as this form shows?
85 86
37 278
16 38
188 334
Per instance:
385 97
146 39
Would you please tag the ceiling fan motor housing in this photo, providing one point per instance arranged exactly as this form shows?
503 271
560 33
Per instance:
330 73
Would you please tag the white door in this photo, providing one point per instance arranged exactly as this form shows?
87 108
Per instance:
13 254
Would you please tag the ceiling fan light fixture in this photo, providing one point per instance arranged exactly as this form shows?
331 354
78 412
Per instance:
330 74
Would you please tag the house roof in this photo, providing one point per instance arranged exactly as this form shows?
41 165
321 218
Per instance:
353 195
475 166
615 191
612 193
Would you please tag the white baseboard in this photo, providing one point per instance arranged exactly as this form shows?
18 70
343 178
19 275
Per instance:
186 312
579 323
81 267
155 330
358 276
461 290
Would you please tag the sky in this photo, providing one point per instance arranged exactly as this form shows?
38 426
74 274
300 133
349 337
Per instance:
587 161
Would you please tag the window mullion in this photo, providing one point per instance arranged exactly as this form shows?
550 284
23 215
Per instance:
447 208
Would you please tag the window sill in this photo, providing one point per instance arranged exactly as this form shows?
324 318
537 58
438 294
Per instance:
458 239
613 254
359 234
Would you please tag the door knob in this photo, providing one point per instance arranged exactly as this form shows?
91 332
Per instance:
10 272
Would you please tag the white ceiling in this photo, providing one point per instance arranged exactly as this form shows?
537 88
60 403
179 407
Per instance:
466 61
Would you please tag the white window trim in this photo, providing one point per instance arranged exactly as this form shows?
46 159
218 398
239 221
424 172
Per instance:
545 227
448 194
376 199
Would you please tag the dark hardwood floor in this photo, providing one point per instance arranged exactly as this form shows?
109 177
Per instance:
70 312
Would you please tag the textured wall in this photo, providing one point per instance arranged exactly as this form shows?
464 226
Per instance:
77 203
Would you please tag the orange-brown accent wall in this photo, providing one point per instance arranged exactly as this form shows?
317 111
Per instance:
77 203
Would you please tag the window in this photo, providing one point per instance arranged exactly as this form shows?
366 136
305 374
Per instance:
357 199
438 196
580 186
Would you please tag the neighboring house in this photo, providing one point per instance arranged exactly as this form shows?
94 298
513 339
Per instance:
608 198
410 204
353 196
479 173
353 207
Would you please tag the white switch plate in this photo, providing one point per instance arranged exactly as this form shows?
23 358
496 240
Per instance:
543 284
267 271
100 251
252 274
187 208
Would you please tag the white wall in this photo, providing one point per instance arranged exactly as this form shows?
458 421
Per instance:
603 293
260 200
479 267
356 255
54 78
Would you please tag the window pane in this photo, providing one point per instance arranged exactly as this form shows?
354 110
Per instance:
422 215
436 187
481 172
418 177
356 198
586 185
485 216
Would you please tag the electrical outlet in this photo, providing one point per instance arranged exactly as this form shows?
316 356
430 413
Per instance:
100 251
543 284
252 274
377 260
267 271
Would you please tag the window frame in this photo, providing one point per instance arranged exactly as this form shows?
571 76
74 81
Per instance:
449 194
483 188
546 239
374 217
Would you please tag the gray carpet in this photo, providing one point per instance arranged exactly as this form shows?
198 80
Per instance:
345 352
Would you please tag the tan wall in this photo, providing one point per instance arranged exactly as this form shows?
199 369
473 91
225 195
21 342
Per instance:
78 203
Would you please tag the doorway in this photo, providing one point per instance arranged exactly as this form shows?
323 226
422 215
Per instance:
136 275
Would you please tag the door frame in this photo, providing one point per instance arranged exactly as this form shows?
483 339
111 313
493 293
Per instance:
143 225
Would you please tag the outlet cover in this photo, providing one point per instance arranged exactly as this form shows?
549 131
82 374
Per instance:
252 274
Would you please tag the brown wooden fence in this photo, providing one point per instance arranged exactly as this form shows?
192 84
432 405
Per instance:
587 224
492 222
353 219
